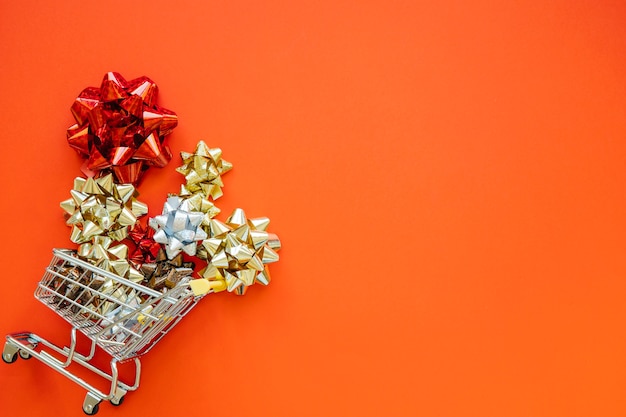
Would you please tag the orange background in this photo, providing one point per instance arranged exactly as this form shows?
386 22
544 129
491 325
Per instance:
447 178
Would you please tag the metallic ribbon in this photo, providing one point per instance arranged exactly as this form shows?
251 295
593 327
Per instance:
146 249
100 207
112 314
164 272
203 172
114 258
238 252
178 227
87 299
120 128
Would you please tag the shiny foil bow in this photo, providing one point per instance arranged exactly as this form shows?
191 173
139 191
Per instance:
203 171
164 272
100 207
178 227
127 303
238 252
83 293
114 258
146 249
120 128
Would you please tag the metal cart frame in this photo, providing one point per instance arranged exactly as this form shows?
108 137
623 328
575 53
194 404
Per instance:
131 320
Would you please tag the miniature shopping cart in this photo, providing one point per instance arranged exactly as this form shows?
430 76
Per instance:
123 318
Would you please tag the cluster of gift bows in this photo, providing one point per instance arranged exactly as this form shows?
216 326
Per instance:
120 132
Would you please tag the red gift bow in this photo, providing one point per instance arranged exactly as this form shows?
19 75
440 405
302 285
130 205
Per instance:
146 249
120 129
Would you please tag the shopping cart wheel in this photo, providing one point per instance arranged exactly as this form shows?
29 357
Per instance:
9 354
7 358
117 402
24 355
32 345
91 404
92 411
